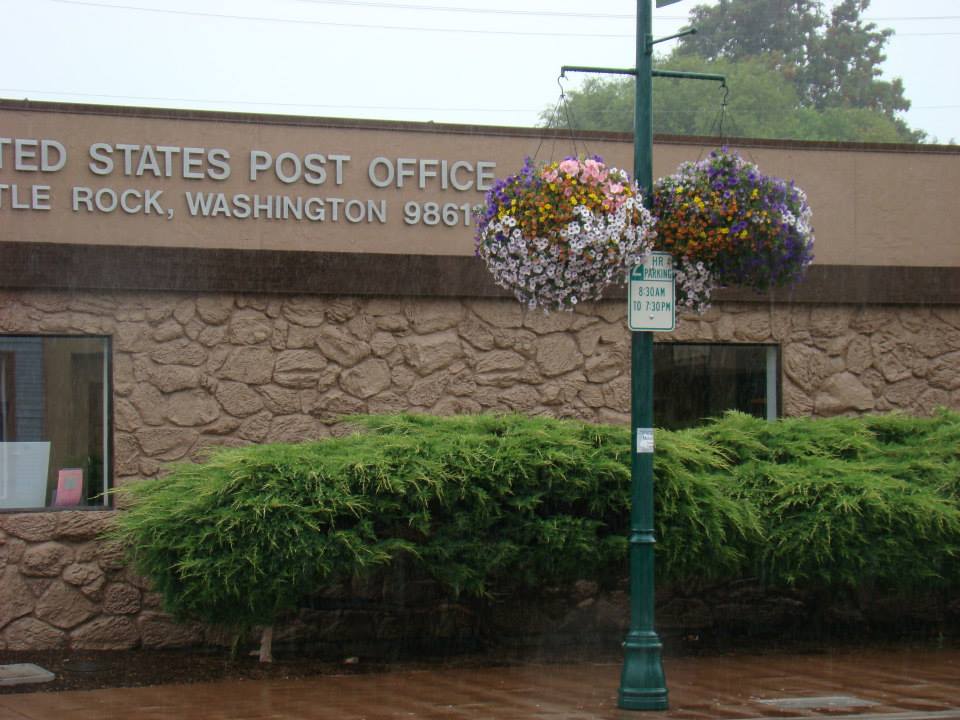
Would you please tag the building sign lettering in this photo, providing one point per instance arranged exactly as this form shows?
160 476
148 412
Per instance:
315 183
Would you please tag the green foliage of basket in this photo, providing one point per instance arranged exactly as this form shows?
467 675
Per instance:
731 226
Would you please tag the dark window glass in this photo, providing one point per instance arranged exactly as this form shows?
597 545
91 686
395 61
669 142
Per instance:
695 382
54 428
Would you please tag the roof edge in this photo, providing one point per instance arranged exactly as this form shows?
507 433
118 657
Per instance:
452 128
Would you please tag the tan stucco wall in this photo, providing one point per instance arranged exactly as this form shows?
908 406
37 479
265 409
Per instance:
871 207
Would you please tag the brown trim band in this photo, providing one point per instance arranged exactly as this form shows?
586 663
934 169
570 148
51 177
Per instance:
55 266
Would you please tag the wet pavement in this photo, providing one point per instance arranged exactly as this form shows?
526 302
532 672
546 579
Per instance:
869 685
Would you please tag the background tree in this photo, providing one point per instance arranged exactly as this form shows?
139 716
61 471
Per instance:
833 60
760 105
783 31
793 71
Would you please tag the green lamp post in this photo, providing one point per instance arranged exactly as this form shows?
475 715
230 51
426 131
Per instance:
642 682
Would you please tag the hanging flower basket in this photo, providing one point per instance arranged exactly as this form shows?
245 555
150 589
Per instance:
731 225
559 234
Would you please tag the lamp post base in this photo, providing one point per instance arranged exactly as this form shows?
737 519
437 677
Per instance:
642 684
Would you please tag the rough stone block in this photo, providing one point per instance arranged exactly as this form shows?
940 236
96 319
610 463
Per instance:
295 428
342 347
606 365
304 311
806 366
167 443
121 599
428 353
169 330
171 378
367 378
192 408
341 310
476 333
428 391
388 402
428 316
498 313
148 403
843 393
46 559
15 596
214 309
251 365
520 398
182 352
160 631
249 327
545 323
616 394
106 633
383 343
110 556
80 574
455 406
64 607
278 400
33 527
557 354
944 372
499 360
238 399
256 427
86 525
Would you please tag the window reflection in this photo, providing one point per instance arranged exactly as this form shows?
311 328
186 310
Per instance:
53 416
695 382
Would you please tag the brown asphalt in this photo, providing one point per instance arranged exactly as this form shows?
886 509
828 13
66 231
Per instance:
868 685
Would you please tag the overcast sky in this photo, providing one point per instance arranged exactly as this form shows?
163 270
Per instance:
488 62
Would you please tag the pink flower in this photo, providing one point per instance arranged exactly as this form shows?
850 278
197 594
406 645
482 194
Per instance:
592 170
550 175
615 188
570 166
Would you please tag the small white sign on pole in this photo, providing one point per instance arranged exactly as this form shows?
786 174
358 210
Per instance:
652 296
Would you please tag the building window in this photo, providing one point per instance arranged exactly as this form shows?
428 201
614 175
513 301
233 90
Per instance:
695 382
54 421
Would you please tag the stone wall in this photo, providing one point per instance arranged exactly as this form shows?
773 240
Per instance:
193 371
60 587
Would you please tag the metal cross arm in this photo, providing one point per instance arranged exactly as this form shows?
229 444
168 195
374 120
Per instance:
609 71
722 79
688 31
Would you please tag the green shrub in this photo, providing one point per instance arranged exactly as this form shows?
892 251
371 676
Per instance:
850 501
501 505
485 505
